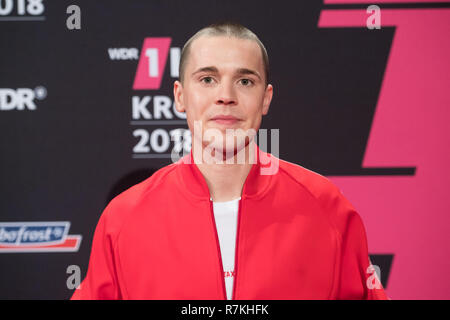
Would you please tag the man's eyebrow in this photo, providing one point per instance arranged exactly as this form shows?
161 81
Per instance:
245 71
240 71
206 69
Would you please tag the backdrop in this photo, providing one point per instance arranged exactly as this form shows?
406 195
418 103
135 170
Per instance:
86 110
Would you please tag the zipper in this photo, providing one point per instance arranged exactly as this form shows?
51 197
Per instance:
236 249
222 278
224 291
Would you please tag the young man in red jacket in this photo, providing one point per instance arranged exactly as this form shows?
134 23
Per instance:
229 221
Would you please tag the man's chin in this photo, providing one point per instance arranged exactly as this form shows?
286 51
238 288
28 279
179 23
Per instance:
224 152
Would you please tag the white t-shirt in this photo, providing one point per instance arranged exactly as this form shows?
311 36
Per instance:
225 214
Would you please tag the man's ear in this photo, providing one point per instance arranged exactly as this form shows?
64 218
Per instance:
178 96
267 99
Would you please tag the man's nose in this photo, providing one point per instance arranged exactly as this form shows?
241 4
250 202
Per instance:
226 95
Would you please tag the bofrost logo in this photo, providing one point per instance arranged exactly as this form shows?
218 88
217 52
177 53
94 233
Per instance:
37 237
21 98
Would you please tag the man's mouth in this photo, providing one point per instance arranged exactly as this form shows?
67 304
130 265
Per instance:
225 119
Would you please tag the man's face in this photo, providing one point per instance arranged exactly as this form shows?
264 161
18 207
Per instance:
223 87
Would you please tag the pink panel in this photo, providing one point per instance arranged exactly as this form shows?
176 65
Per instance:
381 1
408 216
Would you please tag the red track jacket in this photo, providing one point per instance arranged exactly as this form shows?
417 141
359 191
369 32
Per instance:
297 238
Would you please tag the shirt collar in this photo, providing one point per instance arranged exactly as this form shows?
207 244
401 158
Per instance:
256 184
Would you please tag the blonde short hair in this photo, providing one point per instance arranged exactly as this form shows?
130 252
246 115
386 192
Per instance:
229 29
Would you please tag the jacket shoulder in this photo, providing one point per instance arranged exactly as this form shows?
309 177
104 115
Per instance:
316 184
121 207
330 198
133 194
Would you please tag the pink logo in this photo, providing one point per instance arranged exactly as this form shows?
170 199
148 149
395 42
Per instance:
152 63
408 215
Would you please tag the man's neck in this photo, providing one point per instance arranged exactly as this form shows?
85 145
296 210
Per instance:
226 180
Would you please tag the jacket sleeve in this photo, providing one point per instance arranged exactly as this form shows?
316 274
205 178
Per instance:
357 278
101 281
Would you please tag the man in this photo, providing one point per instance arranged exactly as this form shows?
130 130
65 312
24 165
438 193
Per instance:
229 221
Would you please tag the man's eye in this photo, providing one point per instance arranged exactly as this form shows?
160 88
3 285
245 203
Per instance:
207 80
246 82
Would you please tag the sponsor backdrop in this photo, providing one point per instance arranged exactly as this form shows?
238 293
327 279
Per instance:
86 110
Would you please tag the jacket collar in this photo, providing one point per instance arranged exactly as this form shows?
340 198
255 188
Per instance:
256 184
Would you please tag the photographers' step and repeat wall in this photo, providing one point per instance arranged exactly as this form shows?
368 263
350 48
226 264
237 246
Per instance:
361 95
